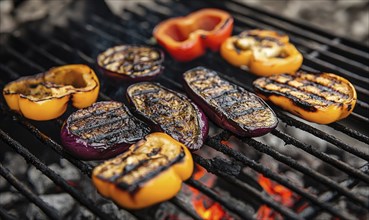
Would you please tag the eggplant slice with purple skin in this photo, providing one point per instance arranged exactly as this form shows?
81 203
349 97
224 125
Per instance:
228 105
101 131
168 111
131 63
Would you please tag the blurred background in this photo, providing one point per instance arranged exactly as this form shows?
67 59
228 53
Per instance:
349 18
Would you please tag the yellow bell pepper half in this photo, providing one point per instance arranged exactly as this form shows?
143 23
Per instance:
321 98
263 52
151 171
45 96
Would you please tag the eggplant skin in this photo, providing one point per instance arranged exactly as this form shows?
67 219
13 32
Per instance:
101 131
228 105
168 111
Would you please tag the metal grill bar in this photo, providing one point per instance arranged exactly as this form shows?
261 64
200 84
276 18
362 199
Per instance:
163 16
355 134
189 211
243 17
5 215
312 211
215 142
315 175
115 39
136 37
85 168
323 156
46 139
318 37
118 41
30 158
207 191
207 164
26 191
318 133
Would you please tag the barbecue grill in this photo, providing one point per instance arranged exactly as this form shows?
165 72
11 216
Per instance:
40 45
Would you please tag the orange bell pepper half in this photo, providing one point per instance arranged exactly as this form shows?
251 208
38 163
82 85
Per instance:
186 38
151 171
45 96
263 52
321 98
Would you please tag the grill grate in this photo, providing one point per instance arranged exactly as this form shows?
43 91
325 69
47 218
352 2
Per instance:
81 41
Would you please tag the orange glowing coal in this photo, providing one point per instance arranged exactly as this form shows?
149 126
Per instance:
204 206
279 193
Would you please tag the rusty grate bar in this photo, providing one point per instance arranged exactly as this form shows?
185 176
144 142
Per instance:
32 159
26 191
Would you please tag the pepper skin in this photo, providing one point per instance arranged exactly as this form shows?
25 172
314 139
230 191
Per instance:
45 96
186 38
151 171
321 98
263 52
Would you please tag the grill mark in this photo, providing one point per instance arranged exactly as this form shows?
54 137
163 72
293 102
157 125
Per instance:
155 108
103 121
223 93
98 112
109 135
104 125
144 92
322 87
224 101
249 111
127 60
131 188
298 89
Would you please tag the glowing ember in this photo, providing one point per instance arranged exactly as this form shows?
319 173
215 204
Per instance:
279 193
205 207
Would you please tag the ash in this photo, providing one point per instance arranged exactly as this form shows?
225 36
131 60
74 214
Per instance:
66 206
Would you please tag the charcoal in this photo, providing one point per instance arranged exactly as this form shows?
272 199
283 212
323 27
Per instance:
43 184
63 203
10 198
114 210
226 166
15 163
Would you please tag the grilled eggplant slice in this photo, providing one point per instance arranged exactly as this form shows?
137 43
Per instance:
229 105
151 171
131 63
171 112
101 131
322 98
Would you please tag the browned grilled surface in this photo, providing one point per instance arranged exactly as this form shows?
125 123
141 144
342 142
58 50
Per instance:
170 110
234 102
131 60
308 91
139 164
105 124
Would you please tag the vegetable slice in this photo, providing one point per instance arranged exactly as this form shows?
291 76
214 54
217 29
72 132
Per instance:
131 63
263 52
229 105
101 131
151 171
45 96
169 111
186 38
322 98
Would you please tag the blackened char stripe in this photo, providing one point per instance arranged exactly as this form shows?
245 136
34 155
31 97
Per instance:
100 123
305 82
131 188
311 95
